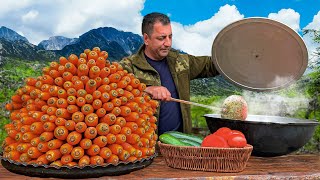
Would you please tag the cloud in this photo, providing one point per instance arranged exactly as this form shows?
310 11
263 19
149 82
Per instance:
315 23
197 39
39 20
288 17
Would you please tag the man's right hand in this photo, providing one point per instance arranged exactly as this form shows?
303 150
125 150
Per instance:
159 93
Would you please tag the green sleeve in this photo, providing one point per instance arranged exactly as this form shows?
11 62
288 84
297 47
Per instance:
126 64
201 67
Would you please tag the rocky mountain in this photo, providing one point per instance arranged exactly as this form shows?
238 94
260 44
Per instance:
118 43
11 35
57 42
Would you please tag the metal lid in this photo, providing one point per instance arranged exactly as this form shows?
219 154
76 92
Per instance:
259 54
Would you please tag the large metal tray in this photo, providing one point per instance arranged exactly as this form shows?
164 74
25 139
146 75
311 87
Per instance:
46 171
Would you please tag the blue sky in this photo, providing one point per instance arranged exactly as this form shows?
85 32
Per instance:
195 23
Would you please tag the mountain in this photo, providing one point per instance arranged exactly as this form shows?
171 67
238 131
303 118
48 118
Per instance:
57 42
11 35
117 43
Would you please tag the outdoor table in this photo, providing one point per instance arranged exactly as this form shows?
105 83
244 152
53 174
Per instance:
294 166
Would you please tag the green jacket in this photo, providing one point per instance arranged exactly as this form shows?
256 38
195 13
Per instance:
183 68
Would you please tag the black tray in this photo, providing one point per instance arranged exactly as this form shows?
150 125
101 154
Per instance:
46 171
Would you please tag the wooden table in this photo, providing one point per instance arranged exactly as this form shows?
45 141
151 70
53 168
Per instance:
283 167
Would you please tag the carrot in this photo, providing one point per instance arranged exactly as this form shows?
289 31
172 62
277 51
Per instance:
148 135
62 93
53 155
70 67
84 160
132 125
78 84
120 121
56 163
124 155
138 145
101 141
30 81
12 132
122 84
116 111
128 95
113 93
52 118
133 116
83 70
49 126
96 160
97 103
55 144
67 76
8 140
140 131
77 117
11 147
104 72
85 143
43 146
113 85
141 122
121 138
105 152
44 96
41 160
88 98
93 55
133 138
72 91
66 148
72 108
90 133
46 136
108 106
111 138
27 136
135 83
109 118
61 132
33 152
54 65
115 148
67 158
81 127
63 113
81 92
116 102
113 69
73 59
23 147
70 125
145 142
91 86
125 130
61 69
124 100
93 150
46 79
114 77
59 81
24 157
101 112
98 81
37 115
74 138
81 101
136 92
84 79
91 119
82 60
67 85
128 147
63 60
87 109
52 101
37 128
113 159
60 121
50 111
145 151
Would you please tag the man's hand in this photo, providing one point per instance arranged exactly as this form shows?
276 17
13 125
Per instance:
159 92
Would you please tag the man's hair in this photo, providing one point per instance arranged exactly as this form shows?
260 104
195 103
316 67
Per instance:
150 19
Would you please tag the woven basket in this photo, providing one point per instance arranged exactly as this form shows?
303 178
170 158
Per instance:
206 158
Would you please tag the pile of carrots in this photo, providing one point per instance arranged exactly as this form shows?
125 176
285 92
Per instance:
83 110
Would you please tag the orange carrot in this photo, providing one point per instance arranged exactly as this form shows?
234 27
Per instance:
77 152
72 108
78 84
132 125
55 144
108 106
111 138
120 121
109 118
101 112
77 117
87 109
81 93
91 119
115 148
101 141
96 160
33 152
91 86
41 160
124 155
93 150
81 127
63 113
81 101
67 158
104 72
74 138
66 148
133 138
84 161
24 157
88 98
49 126
43 146
113 159
60 121
53 155
85 143
90 133
105 152
121 138
73 59
116 111
61 132
70 125
27 136
72 91
97 103
83 70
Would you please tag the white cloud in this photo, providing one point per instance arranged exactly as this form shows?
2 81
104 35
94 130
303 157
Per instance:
288 17
308 38
315 24
39 20
197 39
30 16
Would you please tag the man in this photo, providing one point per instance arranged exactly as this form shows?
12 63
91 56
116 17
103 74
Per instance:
166 72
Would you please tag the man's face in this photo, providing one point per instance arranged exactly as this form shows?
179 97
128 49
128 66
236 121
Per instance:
159 42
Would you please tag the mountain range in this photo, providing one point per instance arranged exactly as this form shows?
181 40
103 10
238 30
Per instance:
117 43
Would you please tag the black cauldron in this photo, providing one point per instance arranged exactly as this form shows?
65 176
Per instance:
269 135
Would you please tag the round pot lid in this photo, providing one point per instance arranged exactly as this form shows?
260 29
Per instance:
259 54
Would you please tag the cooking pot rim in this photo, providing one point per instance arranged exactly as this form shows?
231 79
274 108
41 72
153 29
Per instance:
251 119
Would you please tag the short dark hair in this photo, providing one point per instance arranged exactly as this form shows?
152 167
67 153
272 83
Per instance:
150 19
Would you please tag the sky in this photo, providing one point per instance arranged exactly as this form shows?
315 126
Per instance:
195 23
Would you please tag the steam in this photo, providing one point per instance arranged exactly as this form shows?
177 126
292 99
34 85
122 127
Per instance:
272 103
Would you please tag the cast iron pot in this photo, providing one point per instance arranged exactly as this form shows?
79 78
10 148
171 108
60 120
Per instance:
269 135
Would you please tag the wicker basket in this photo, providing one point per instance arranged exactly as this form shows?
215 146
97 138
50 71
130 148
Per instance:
206 158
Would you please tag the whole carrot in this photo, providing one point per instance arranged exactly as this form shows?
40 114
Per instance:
84 161
74 138
53 155
105 152
61 132
55 144
96 160
66 148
